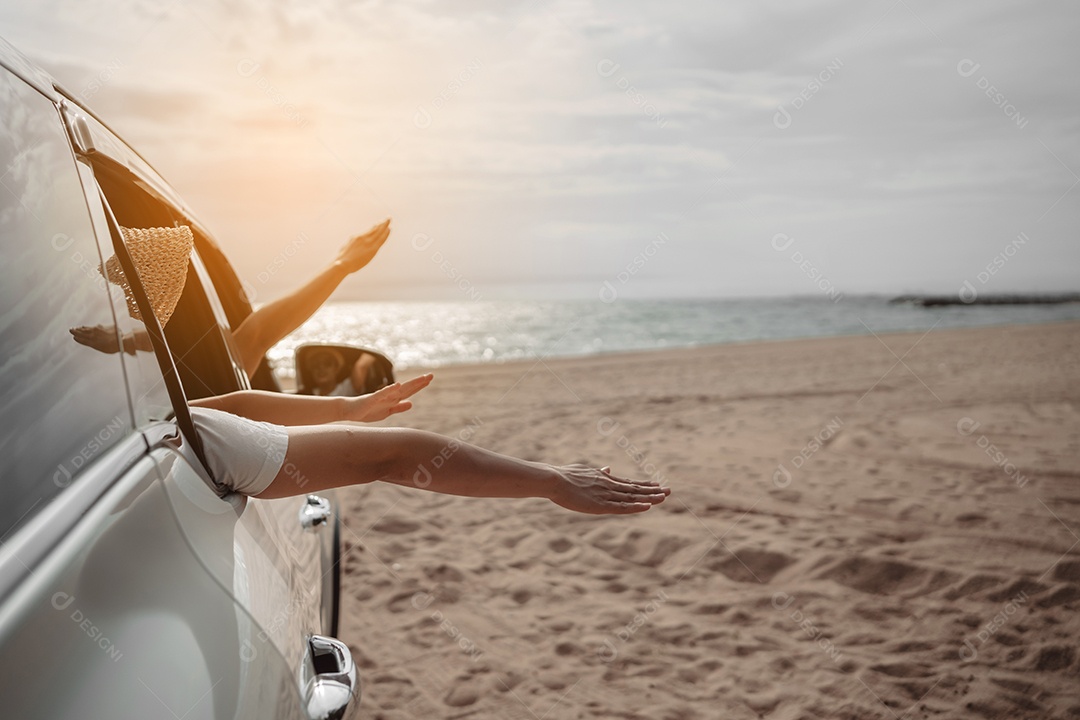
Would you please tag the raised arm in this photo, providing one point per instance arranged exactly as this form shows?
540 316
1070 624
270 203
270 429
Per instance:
284 409
263 328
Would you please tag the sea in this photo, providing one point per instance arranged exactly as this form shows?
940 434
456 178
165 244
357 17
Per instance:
436 334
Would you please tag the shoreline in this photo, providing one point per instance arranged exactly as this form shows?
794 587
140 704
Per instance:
689 351
288 382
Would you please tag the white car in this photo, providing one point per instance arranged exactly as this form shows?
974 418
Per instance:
131 584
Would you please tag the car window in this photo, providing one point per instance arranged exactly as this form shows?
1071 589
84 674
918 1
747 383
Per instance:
198 343
62 401
149 394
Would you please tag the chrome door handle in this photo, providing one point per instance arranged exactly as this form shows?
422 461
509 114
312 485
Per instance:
314 512
333 692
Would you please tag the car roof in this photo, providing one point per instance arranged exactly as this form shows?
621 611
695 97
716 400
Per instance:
114 147
26 70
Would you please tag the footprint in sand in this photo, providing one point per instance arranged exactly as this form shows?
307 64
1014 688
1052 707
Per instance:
463 694
750 565
1068 571
1016 588
395 525
561 545
909 646
710 608
880 576
1054 658
635 545
1062 596
972 585
409 601
904 670
970 518
443 574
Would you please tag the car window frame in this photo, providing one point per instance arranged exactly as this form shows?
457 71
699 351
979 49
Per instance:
71 479
225 287
27 544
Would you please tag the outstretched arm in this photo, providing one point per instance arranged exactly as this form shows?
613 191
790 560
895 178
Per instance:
337 455
284 409
263 328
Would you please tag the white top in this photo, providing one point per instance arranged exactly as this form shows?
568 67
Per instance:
244 455
343 389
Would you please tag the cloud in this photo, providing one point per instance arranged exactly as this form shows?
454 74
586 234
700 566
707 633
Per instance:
501 125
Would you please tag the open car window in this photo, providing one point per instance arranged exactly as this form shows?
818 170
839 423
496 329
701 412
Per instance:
197 336
235 300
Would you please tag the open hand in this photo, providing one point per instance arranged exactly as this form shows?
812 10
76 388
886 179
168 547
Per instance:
359 251
390 400
100 337
598 492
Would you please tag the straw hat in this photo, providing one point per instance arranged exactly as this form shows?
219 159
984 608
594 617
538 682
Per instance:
160 256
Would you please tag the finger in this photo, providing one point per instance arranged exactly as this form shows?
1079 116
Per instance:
401 407
408 392
415 385
375 236
649 497
649 500
643 491
650 482
639 485
652 499
390 393
617 483
628 508
640 490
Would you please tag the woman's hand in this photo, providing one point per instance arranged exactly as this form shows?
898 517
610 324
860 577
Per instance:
359 251
101 338
381 404
598 492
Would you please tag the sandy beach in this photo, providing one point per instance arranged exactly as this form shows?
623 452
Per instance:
862 527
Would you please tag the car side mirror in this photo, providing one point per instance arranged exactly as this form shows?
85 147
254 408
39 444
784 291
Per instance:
331 369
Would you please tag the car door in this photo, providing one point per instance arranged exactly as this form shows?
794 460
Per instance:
105 609
293 556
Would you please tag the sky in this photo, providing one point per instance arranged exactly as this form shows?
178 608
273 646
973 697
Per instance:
572 148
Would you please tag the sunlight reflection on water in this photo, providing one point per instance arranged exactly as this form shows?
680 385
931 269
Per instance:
433 334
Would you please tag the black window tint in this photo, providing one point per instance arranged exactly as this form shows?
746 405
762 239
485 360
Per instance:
61 402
